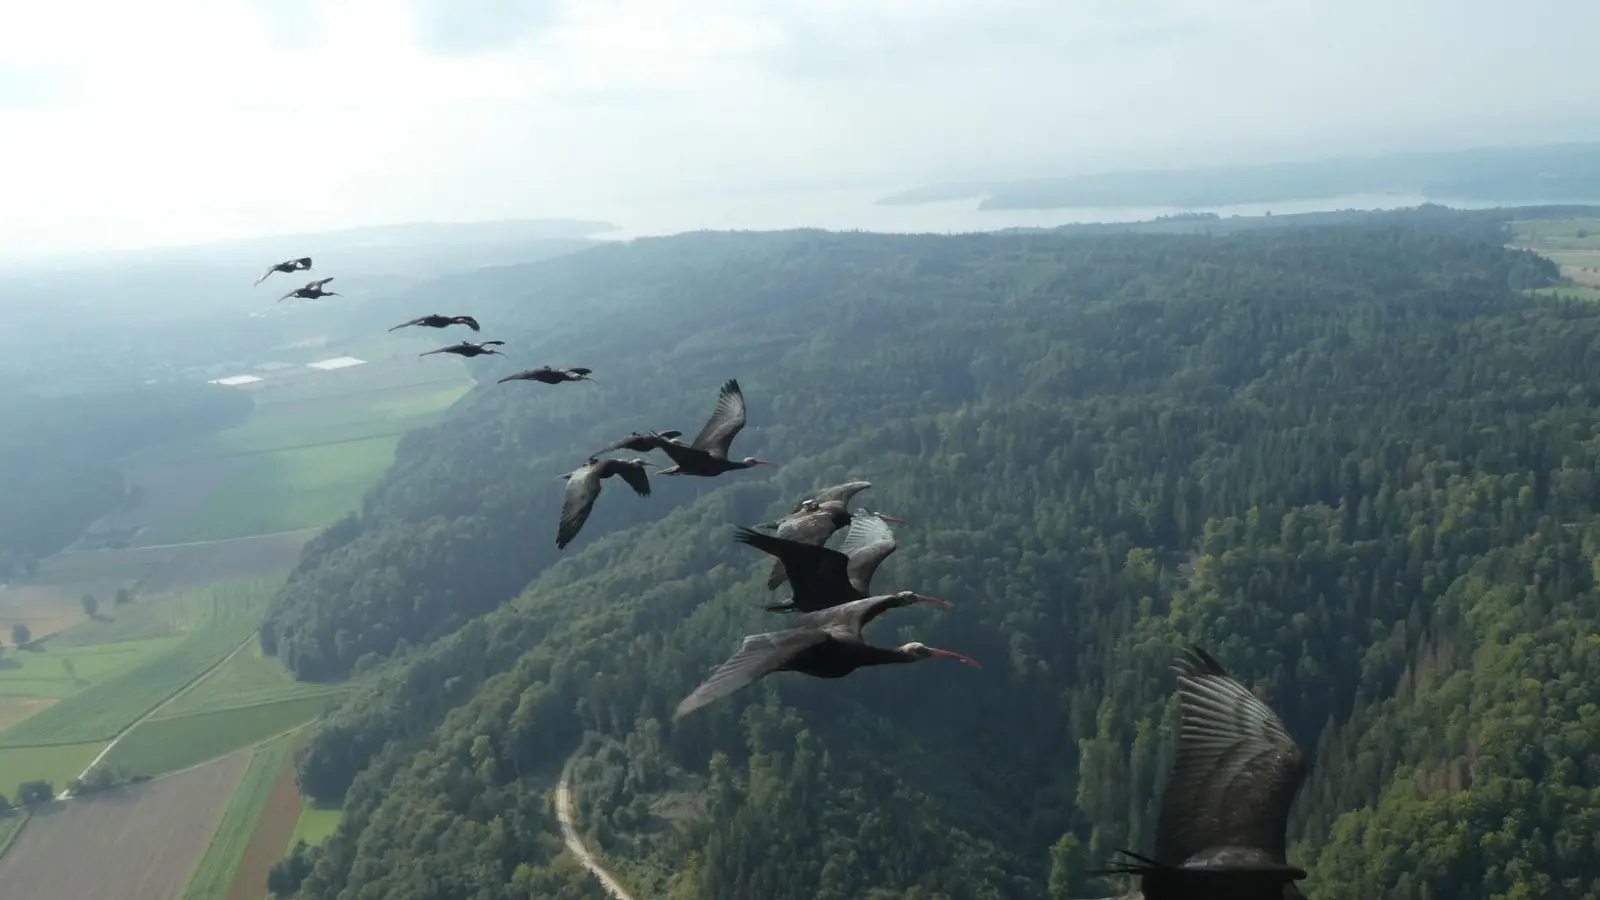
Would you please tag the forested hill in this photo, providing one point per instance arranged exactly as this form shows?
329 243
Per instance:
1355 463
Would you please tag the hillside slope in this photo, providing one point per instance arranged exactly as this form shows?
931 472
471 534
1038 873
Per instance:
1353 462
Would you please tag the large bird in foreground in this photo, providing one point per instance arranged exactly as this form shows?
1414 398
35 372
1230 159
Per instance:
583 486
707 454
467 348
825 644
639 443
823 577
434 320
1225 810
312 291
814 524
549 375
290 266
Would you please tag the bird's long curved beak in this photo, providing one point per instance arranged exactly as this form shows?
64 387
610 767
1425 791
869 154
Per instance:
924 598
766 462
895 519
646 462
951 654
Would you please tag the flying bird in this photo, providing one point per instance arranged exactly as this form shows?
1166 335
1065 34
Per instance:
839 492
437 321
312 291
302 264
549 375
825 644
814 524
1225 809
583 486
637 442
823 577
467 348
707 454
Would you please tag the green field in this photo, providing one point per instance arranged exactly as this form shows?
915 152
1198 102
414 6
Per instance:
248 678
287 490
1557 234
45 670
170 743
57 765
1573 291
213 875
316 824
226 615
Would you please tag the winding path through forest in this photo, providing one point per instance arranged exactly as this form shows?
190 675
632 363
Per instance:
569 834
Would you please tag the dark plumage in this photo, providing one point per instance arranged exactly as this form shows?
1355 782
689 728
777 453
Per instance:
302 264
550 376
583 486
825 644
707 454
824 577
467 349
312 291
814 524
1225 809
434 320
638 443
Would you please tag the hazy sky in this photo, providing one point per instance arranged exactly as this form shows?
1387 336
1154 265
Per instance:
125 124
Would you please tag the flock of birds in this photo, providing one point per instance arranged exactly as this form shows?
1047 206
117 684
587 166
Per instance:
1222 828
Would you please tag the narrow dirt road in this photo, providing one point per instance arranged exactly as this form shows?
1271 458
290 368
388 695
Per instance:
569 834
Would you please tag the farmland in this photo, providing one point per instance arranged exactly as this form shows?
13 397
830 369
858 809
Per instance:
221 618
57 764
141 842
1573 244
316 823
169 743
249 799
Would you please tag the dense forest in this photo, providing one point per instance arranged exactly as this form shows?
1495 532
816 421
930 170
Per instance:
58 456
1357 463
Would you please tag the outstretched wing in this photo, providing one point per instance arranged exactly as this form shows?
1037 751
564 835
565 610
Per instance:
812 528
583 486
489 343
318 283
757 657
867 544
270 270
579 370
726 421
634 476
840 492
1235 773
819 574
303 262
468 321
417 321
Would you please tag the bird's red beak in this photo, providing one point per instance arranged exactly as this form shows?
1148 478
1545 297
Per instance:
924 598
951 654
763 462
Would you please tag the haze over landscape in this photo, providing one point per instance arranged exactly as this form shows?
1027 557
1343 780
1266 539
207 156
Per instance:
1170 376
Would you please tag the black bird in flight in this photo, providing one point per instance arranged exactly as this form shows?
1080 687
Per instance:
437 321
303 264
549 375
583 486
825 644
815 523
467 348
1222 832
707 454
312 291
638 443
823 577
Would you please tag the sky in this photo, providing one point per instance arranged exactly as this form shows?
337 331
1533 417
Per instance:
180 121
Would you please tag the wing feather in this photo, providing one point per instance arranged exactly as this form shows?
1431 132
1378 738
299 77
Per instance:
635 477
840 492
1235 773
725 423
867 544
819 574
408 324
758 656
583 486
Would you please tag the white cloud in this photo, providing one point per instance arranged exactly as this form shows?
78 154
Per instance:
184 120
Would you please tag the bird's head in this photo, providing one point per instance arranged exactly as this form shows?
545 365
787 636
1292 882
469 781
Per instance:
906 598
886 517
753 461
918 650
